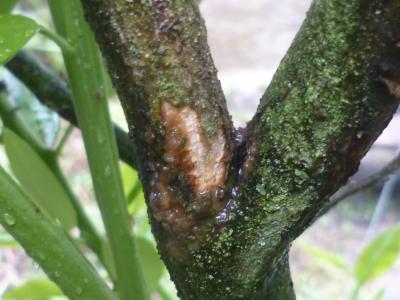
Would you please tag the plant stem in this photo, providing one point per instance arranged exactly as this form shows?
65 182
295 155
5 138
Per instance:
60 41
14 122
48 244
53 92
64 139
88 231
86 78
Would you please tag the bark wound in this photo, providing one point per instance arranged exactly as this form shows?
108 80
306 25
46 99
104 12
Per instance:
188 188
204 161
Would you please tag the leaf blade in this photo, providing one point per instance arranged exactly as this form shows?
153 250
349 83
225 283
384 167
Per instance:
15 32
40 121
378 256
34 289
38 180
152 265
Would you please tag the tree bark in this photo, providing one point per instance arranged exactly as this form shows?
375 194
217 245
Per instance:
278 285
224 204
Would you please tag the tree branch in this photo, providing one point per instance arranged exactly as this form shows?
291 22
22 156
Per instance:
325 106
224 216
161 66
54 93
356 186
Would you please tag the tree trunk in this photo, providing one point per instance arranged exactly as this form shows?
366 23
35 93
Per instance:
225 205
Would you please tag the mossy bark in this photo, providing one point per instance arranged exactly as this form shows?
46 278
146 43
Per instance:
334 92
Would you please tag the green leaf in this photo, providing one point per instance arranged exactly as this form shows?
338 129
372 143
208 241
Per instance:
15 32
38 180
36 289
378 256
129 177
142 226
7 5
136 199
108 258
42 122
331 258
153 267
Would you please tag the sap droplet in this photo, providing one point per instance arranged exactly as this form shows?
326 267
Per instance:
9 219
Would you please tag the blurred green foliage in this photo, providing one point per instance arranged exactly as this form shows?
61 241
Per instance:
375 259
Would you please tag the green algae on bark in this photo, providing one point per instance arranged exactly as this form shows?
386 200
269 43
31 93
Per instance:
331 97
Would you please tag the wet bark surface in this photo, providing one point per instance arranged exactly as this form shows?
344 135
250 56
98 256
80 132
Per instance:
224 204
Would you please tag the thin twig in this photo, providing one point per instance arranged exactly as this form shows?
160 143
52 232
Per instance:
356 186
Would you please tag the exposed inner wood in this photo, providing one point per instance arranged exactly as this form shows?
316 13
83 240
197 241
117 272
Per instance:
193 163
186 147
